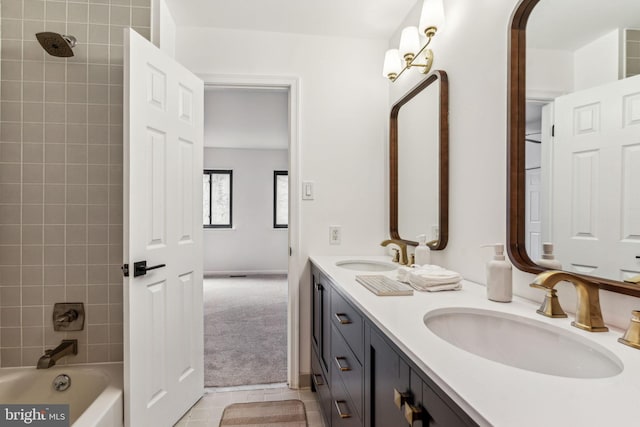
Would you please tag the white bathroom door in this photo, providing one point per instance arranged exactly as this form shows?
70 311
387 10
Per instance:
163 315
596 202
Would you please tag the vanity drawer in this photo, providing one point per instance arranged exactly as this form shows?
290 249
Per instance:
342 410
321 386
349 323
346 368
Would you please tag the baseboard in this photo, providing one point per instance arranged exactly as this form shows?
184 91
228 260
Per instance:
305 381
244 273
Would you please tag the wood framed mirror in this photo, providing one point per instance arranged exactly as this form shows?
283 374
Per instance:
419 163
569 70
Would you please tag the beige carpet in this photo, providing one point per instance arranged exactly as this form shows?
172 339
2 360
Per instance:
283 413
245 330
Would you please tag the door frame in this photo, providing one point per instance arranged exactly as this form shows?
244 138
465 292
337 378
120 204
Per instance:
292 84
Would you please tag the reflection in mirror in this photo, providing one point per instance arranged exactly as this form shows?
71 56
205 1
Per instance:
419 163
575 139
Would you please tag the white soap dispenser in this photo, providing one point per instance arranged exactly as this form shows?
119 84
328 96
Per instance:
422 251
548 260
499 286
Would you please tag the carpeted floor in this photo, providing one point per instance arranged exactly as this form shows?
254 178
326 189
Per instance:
245 330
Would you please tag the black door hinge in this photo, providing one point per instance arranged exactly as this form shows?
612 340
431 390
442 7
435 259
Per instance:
553 130
125 270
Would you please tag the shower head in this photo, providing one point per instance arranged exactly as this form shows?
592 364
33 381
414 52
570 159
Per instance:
56 44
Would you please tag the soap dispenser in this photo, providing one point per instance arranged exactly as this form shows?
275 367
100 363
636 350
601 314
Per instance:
499 286
422 251
548 260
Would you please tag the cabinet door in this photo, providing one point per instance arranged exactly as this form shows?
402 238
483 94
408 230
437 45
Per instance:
316 308
389 374
320 323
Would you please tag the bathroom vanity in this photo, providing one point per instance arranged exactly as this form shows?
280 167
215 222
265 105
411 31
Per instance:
375 362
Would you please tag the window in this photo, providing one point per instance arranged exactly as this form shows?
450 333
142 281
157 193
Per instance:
217 187
280 199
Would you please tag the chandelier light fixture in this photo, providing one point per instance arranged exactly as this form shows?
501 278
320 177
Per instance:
412 51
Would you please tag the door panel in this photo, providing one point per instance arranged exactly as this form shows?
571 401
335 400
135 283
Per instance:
163 319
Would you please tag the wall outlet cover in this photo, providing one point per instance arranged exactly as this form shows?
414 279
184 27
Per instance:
335 234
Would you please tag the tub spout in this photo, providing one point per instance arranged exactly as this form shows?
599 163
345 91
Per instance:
50 357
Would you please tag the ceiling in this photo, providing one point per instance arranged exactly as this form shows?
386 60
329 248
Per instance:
376 19
571 24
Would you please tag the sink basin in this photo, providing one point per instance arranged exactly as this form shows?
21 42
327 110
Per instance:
523 343
365 265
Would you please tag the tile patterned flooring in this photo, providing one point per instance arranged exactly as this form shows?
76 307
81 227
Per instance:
208 411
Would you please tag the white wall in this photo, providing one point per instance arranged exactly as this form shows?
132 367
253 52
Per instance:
473 50
246 118
163 31
342 132
598 62
343 136
252 245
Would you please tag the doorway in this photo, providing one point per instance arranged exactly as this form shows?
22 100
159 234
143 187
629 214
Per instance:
253 135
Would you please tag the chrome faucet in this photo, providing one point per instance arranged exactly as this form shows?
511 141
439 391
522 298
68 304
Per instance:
404 260
50 357
588 313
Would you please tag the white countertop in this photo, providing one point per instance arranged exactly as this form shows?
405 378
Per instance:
490 392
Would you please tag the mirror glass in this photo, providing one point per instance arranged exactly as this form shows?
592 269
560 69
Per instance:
582 137
419 150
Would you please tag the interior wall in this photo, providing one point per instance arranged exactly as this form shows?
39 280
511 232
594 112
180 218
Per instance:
473 49
61 176
252 246
342 132
589 71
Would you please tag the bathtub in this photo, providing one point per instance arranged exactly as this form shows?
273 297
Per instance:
94 397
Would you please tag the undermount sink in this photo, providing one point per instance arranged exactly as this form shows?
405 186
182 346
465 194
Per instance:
523 343
366 265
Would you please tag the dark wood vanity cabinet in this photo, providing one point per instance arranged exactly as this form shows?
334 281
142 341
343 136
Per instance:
320 324
362 378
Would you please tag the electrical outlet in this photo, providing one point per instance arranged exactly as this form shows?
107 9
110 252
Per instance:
335 234
435 232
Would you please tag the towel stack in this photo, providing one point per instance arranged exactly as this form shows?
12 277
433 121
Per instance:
430 278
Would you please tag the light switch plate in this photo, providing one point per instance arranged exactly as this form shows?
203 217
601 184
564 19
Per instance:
307 190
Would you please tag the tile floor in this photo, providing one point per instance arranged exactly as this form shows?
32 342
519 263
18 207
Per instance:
208 410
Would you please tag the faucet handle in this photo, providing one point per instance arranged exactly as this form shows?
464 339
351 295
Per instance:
396 255
550 307
631 336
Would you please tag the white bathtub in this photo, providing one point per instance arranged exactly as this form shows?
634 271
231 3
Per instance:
94 397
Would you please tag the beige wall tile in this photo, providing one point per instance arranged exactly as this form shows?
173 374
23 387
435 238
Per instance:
54 275
9 296
11 356
33 153
9 214
32 316
33 337
54 234
97 314
10 234
76 275
10 316
11 337
10 193
97 353
32 275
99 294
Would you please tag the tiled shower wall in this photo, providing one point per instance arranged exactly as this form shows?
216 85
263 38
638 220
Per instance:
61 175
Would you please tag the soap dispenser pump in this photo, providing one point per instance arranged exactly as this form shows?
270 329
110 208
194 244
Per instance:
548 260
422 251
499 286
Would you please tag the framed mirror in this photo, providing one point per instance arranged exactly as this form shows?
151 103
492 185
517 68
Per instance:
419 163
574 139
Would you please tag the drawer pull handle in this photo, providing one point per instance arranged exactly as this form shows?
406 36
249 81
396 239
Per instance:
400 398
342 367
318 379
342 318
340 413
412 413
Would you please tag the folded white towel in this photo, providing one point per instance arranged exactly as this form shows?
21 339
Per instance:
437 288
433 277
403 274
